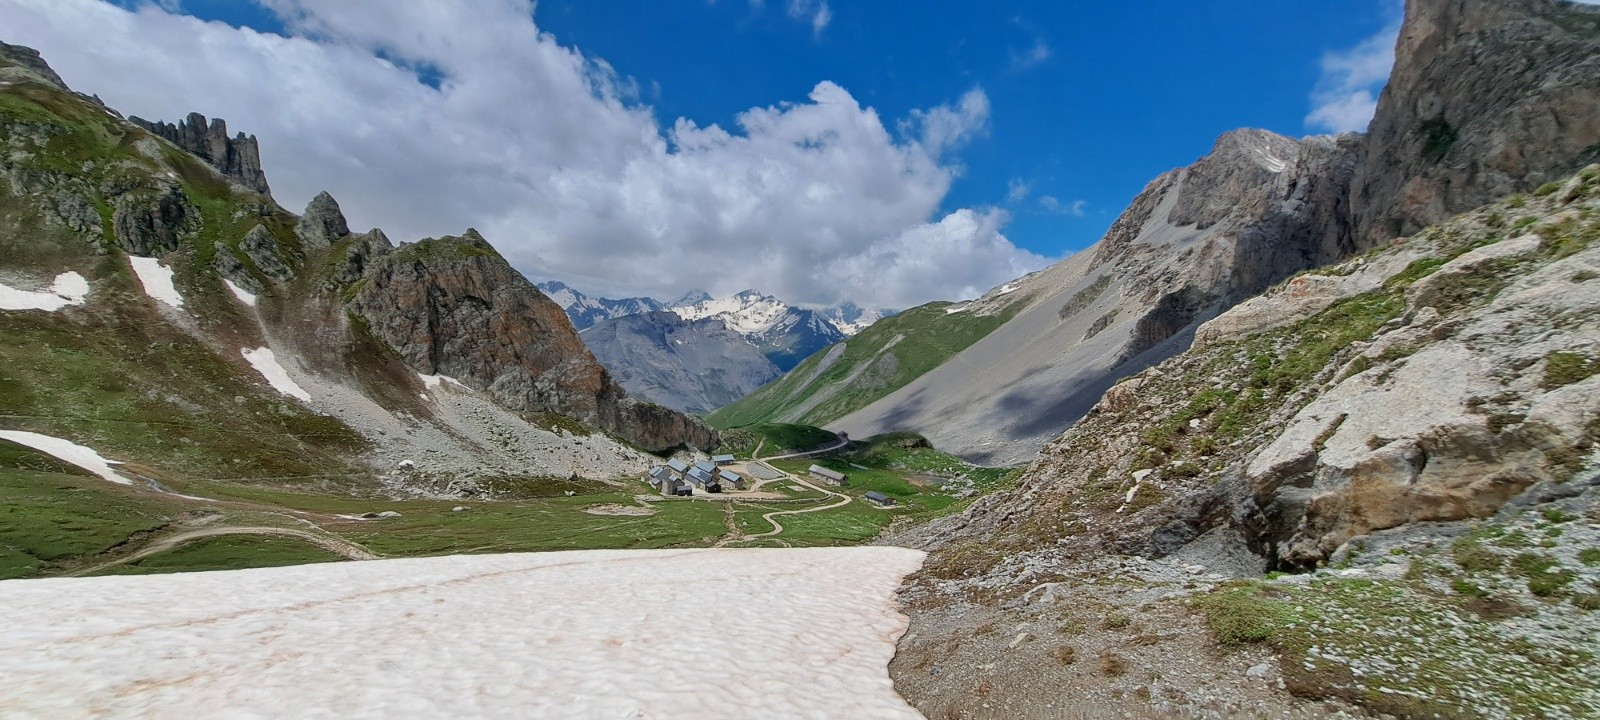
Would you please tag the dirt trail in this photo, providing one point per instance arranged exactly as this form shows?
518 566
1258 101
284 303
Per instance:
337 546
771 517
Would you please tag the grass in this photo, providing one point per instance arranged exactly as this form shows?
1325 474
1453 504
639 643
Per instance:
50 520
226 553
1242 615
1565 368
773 439
877 361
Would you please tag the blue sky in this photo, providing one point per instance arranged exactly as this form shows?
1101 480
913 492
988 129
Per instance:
944 147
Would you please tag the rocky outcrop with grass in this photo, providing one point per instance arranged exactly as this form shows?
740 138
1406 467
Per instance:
1443 380
274 357
1488 98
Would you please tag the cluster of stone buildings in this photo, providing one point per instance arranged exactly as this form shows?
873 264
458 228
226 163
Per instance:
679 478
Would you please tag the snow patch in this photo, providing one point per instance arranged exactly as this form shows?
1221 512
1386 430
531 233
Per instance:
432 382
955 309
156 279
595 633
244 296
266 363
69 288
67 452
1008 288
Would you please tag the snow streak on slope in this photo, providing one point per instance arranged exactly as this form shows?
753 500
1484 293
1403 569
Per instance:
266 363
67 452
69 289
244 296
601 633
156 279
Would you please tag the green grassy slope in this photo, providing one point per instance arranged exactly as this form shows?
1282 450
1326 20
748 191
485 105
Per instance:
879 360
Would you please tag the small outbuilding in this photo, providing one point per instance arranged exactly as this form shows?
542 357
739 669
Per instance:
662 479
821 473
731 479
678 466
721 460
699 477
879 499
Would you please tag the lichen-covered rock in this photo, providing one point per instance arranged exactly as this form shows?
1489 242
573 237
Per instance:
361 252
453 306
323 224
152 223
229 265
262 248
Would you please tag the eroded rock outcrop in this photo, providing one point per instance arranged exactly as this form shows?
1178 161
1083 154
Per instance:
153 222
322 224
1487 98
237 158
454 306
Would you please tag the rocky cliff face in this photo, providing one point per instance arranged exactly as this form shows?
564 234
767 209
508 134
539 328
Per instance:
690 365
238 158
453 306
1487 98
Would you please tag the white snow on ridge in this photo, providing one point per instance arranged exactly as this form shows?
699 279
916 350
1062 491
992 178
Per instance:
69 288
67 452
245 296
266 363
954 310
600 633
156 279
1008 288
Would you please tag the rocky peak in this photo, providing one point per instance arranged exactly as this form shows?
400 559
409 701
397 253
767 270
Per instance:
1487 98
19 59
454 306
238 158
323 224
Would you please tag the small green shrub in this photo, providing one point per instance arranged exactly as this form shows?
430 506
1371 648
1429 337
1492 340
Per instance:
1563 368
1546 189
1116 620
1474 557
1462 586
1589 556
1516 202
1241 615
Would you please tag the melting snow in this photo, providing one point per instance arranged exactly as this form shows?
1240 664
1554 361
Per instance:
434 381
244 296
266 363
69 288
157 280
1007 289
67 452
954 310
598 633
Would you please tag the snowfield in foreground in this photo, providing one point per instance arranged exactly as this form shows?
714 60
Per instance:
802 633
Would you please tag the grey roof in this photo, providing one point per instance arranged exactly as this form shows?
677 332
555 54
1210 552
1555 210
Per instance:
677 465
825 472
660 473
730 477
706 465
699 476
879 497
722 458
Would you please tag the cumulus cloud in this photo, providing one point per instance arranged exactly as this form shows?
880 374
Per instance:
1346 95
427 118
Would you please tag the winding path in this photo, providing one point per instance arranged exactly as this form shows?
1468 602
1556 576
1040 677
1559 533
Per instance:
337 546
771 517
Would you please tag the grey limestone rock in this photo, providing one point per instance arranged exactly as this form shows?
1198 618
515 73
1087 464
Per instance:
237 158
262 248
323 224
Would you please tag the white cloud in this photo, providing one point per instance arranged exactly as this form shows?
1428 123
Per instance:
815 12
1346 95
549 153
1054 205
1017 190
1034 56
